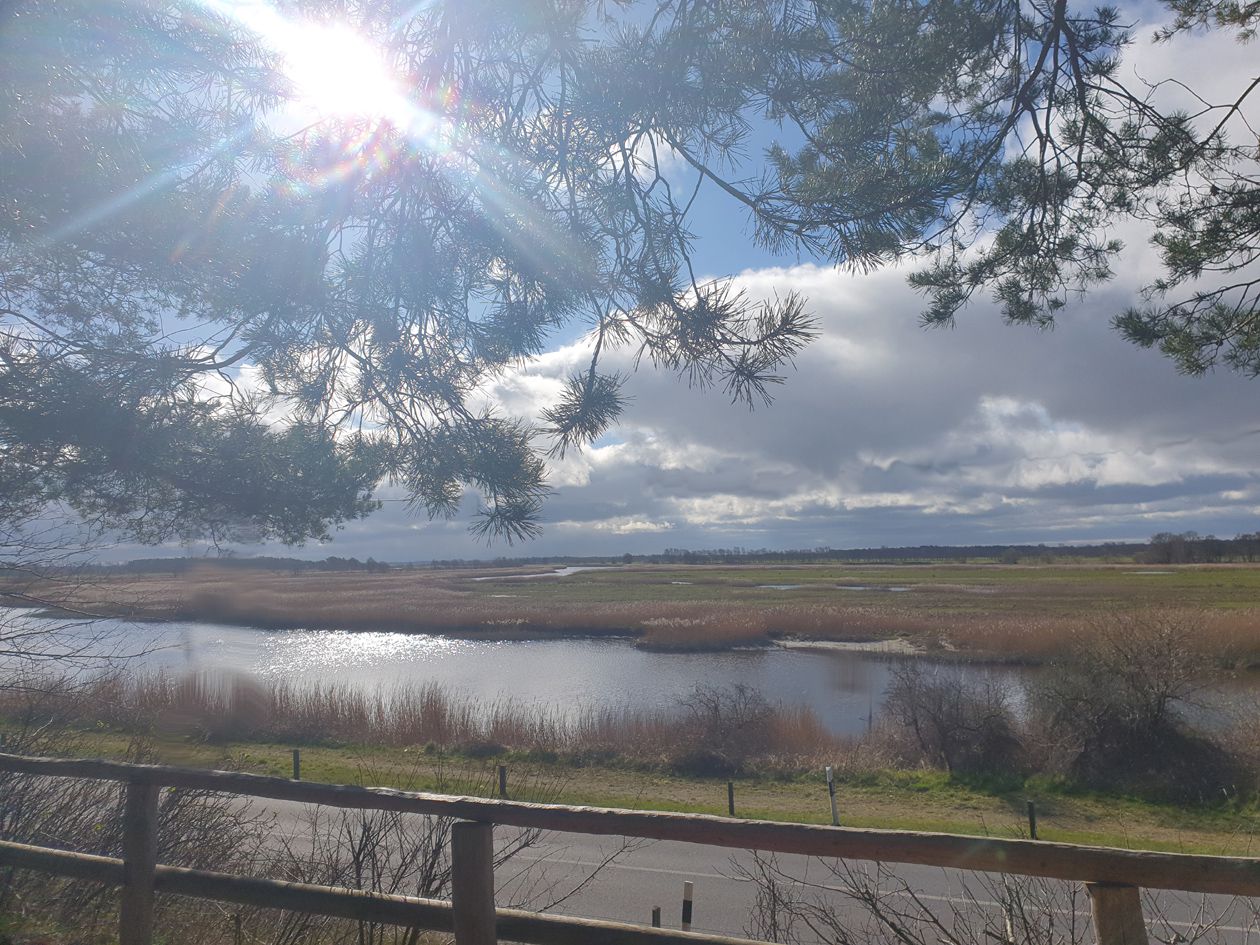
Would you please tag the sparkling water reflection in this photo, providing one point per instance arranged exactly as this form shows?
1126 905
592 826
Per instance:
844 687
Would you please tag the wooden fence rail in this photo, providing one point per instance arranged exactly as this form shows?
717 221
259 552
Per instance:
1112 876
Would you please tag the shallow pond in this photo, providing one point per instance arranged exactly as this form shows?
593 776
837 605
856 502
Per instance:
844 687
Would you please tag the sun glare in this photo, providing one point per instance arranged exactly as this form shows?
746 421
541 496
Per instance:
337 74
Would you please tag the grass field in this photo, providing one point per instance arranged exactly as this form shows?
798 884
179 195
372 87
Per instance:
989 611
637 762
900 800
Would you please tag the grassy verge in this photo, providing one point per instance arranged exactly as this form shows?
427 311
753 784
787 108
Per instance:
900 800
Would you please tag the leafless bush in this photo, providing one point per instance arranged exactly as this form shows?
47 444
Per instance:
729 724
1118 713
965 726
196 829
402 854
778 913
850 903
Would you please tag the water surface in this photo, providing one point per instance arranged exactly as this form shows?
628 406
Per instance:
844 687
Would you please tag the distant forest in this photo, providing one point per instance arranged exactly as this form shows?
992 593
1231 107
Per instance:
1164 548
259 563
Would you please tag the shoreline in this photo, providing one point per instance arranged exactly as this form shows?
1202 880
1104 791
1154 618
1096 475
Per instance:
992 614
523 632
506 632
898 646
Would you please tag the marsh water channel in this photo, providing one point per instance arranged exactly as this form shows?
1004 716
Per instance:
844 687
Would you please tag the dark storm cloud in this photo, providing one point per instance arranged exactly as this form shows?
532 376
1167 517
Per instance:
886 433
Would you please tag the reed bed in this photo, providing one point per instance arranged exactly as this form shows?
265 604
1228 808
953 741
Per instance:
713 735
1014 614
1226 638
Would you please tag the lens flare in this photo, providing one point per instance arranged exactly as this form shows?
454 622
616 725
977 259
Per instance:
336 73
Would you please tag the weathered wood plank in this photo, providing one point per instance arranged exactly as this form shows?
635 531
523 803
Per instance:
95 869
515 925
1188 872
428 914
1117 914
135 916
472 883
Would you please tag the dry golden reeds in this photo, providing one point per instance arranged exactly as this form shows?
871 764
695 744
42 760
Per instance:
1010 622
237 708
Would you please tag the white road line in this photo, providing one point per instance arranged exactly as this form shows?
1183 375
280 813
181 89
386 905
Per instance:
649 869
986 903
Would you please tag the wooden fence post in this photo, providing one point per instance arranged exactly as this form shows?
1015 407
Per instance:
472 883
135 921
1117 911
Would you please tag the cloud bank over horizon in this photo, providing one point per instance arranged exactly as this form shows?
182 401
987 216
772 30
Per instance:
883 434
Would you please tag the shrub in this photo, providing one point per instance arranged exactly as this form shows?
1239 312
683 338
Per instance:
966 727
728 725
1115 713
196 829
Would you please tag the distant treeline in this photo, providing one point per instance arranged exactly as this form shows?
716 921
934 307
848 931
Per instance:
261 563
1164 548
1193 548
560 561
920 554
917 554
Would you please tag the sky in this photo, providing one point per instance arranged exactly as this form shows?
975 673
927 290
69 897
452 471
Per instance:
884 433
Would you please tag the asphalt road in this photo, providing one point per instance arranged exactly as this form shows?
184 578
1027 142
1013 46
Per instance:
969 904
651 874
599 877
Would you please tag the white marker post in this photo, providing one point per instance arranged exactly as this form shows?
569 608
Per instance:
831 789
688 889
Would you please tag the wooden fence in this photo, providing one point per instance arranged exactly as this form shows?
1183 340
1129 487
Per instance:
1113 878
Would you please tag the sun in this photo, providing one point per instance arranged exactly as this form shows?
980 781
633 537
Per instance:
336 73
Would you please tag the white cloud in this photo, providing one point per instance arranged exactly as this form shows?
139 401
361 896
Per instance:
886 434
1013 444
623 526
942 436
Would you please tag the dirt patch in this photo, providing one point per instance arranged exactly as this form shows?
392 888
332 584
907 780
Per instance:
897 647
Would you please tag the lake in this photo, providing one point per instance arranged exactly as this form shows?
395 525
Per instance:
844 687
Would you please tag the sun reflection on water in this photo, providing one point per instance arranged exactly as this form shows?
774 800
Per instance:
302 652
